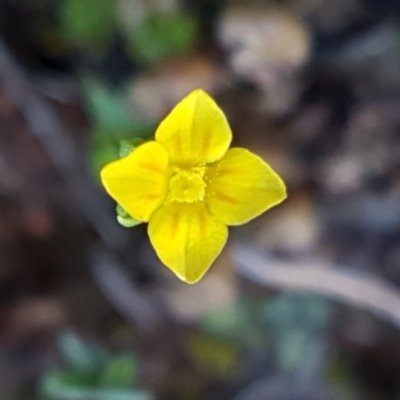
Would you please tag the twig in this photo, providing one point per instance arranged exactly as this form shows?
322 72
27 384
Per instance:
129 302
50 131
366 292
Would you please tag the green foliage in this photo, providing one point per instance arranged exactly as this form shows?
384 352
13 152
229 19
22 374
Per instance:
125 219
291 325
127 146
88 23
291 348
340 371
119 372
112 123
91 374
80 355
289 311
108 109
57 386
162 35
297 322
214 355
101 153
115 133
237 324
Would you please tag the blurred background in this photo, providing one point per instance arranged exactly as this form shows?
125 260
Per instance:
303 303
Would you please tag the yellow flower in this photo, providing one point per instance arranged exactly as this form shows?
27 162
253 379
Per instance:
189 186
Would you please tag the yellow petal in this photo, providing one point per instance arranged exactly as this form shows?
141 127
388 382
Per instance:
195 132
139 181
242 186
187 238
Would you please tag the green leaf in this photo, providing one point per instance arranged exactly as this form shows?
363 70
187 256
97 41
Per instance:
292 348
113 123
125 219
88 23
117 394
162 35
119 372
109 111
291 311
80 355
296 322
127 146
100 154
65 384
57 385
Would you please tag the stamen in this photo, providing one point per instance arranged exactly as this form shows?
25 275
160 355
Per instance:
187 186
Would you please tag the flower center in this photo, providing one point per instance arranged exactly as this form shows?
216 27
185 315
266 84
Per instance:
187 186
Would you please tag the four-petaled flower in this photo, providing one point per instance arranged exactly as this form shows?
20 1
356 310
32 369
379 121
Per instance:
189 186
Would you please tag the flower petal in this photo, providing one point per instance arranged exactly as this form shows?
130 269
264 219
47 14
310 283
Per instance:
195 132
242 186
187 238
139 181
